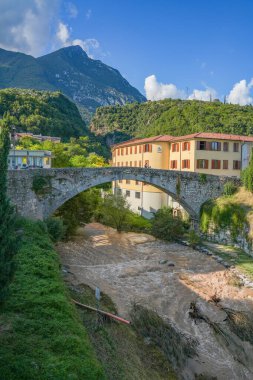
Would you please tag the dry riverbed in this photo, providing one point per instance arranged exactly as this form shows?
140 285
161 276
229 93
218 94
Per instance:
167 278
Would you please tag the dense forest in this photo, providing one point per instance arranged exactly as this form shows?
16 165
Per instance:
169 116
48 113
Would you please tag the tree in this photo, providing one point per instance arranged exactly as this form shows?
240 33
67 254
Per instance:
165 226
114 211
247 175
8 235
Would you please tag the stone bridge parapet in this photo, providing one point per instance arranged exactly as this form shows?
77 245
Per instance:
191 190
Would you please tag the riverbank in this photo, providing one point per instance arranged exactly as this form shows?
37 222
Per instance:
41 334
168 278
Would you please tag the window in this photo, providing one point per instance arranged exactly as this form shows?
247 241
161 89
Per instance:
236 147
119 191
120 180
201 145
126 163
122 151
215 164
140 164
121 163
130 163
131 150
126 150
175 147
128 193
137 195
173 164
137 182
148 148
118 152
128 181
186 145
139 148
215 145
135 163
202 164
118 163
225 146
135 149
185 164
146 165
236 164
225 164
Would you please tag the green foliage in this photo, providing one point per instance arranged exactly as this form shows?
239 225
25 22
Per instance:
167 227
202 178
79 210
114 211
174 117
229 189
48 113
222 214
8 234
193 238
42 336
137 223
41 184
247 175
55 228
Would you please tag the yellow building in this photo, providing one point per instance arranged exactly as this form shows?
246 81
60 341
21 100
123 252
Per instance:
210 153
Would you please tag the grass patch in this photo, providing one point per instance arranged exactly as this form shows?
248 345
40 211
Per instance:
41 335
121 350
234 256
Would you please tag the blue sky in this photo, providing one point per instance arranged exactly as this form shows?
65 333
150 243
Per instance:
180 46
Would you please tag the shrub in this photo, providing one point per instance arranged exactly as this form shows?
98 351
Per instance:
40 184
165 226
55 229
194 238
247 176
229 188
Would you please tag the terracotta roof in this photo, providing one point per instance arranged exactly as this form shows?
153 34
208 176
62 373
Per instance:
200 135
144 140
218 136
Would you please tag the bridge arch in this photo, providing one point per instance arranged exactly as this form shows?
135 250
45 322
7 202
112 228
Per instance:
189 189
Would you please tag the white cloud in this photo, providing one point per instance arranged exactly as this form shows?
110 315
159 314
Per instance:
26 24
240 93
72 10
88 14
63 34
206 95
158 91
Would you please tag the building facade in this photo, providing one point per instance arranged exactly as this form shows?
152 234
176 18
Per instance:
207 153
24 159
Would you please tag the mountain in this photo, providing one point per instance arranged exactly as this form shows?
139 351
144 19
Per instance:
88 82
48 113
173 117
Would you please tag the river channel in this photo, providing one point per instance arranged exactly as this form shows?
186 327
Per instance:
166 277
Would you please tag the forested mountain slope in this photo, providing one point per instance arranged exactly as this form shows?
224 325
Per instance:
175 117
48 113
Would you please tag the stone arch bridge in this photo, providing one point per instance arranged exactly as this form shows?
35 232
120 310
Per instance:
37 193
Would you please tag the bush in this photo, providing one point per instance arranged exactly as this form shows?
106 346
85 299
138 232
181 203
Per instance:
193 238
55 229
137 223
167 227
247 176
229 189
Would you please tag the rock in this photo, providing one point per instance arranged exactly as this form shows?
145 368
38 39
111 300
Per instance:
163 261
171 264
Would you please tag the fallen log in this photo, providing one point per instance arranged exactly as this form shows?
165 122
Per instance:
110 315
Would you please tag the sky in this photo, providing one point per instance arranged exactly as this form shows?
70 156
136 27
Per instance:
187 49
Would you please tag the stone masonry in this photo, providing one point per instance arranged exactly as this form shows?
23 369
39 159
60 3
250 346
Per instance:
191 190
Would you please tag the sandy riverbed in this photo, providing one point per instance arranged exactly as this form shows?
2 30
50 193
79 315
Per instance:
166 277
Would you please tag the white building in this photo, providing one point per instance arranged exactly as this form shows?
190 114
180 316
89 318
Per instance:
24 159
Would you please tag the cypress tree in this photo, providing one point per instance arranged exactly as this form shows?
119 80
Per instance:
8 235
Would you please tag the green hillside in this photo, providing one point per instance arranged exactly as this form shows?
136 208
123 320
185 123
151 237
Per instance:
175 117
48 113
